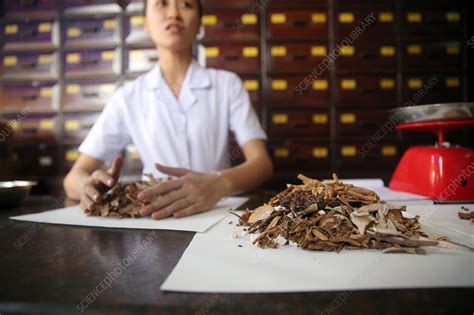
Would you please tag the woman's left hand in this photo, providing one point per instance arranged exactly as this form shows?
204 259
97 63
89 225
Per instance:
190 193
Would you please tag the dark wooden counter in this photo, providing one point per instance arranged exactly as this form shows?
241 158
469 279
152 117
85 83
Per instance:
51 268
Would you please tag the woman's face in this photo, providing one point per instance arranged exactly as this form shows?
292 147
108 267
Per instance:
172 24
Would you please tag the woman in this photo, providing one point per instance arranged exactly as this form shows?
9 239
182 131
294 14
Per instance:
179 115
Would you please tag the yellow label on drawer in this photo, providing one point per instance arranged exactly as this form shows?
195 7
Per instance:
389 150
11 29
320 85
348 118
280 119
73 58
387 51
278 51
452 50
249 19
346 17
46 124
74 32
281 153
72 124
415 83
110 24
209 20
453 16
46 92
107 88
107 55
278 18
45 59
318 51
10 61
212 52
348 84
349 151
250 52
251 85
452 82
414 17
414 49
73 89
45 27
137 20
14 124
279 85
320 119
320 152
347 50
387 84
72 155
317 18
386 17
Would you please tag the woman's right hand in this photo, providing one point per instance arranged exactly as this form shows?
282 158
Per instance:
99 183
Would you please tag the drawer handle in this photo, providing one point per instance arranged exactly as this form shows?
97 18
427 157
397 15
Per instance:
368 55
91 30
300 24
369 125
368 91
300 124
29 65
230 25
90 62
90 95
29 34
29 97
300 57
232 58
434 55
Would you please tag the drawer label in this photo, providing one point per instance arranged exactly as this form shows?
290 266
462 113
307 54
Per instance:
251 85
279 85
346 17
250 52
249 19
72 124
452 82
414 49
347 50
46 124
73 58
278 51
415 83
389 150
348 118
72 155
138 20
74 32
73 89
212 52
110 24
453 16
318 51
281 153
108 55
348 84
45 59
452 50
387 84
320 152
209 20
45 27
386 17
280 119
10 61
320 119
318 18
387 51
278 18
414 17
11 29
46 92
320 85
349 151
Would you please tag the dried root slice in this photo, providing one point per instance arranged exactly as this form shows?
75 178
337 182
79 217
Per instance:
466 216
122 202
332 216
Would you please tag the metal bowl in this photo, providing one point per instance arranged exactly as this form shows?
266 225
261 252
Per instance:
12 193
431 112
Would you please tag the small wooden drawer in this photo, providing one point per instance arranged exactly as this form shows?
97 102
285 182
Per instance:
91 62
76 126
29 127
29 35
289 123
425 89
300 154
86 95
383 155
305 24
364 123
139 60
366 91
368 57
37 97
355 24
135 31
29 66
91 32
80 7
253 86
441 23
231 26
31 8
298 91
419 56
295 58
242 59
36 159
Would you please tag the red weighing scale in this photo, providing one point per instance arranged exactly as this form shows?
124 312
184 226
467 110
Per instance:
443 172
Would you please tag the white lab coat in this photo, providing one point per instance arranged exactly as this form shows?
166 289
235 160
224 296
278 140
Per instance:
191 132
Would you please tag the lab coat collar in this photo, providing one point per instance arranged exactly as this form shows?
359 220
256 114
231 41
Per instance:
196 77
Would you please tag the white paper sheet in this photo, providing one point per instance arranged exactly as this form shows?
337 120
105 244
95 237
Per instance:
445 217
214 262
197 223
385 193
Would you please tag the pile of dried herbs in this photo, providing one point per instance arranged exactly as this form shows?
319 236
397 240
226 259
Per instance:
331 216
121 201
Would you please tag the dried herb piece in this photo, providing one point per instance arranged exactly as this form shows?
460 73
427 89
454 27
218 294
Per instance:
121 201
466 216
331 216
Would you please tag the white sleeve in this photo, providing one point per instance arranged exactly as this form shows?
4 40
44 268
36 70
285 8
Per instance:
243 119
109 135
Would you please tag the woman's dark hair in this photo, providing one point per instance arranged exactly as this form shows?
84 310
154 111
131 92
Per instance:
199 5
